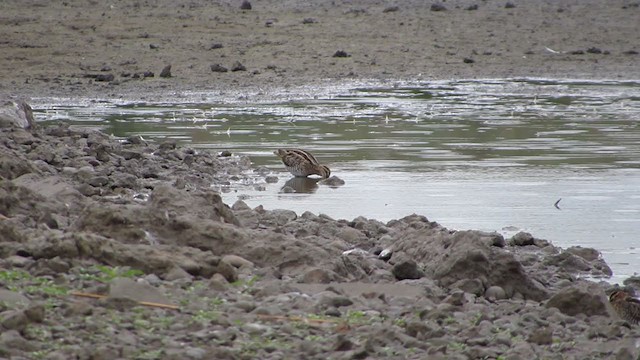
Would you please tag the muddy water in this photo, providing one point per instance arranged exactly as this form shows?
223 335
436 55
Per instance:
491 155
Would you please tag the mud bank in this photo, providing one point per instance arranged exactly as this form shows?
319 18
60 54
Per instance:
114 49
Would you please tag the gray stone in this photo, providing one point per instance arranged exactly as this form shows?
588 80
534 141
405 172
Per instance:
350 235
585 299
78 308
35 313
541 336
407 269
316 276
237 261
14 320
521 239
195 353
16 113
138 291
589 254
495 293
177 273
13 340
229 272
341 343
13 299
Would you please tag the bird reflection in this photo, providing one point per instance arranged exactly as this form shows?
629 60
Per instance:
300 185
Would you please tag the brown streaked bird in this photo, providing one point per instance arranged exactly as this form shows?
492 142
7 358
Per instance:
626 306
301 163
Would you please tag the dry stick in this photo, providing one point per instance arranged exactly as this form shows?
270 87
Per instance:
145 303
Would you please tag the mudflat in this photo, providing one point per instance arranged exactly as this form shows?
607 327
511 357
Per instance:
80 48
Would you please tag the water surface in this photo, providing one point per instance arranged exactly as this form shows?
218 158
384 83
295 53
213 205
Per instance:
482 154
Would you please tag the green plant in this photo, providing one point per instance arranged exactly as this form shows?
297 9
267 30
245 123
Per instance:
105 274
22 281
457 346
246 282
150 354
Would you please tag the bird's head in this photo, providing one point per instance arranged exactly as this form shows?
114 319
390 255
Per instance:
324 171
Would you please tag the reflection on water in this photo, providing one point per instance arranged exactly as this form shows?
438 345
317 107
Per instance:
300 185
487 154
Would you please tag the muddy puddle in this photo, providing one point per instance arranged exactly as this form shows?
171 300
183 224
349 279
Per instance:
485 154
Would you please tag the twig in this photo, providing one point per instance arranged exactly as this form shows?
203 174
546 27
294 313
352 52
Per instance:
144 303
556 204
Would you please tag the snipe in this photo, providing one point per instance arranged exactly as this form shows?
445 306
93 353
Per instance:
626 306
301 163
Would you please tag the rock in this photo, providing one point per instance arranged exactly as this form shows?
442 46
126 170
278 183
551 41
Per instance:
237 261
541 336
13 299
16 113
568 262
407 269
35 313
218 282
589 254
218 68
227 270
472 7
351 235
521 239
13 340
332 181
468 60
237 66
438 7
471 286
341 54
78 308
316 276
389 9
98 181
13 320
495 293
450 258
177 273
104 77
582 299
130 289
246 5
632 281
166 72
509 5
341 343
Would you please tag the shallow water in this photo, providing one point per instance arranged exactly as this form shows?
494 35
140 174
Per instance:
486 154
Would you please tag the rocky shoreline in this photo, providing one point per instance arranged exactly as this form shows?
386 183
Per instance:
125 221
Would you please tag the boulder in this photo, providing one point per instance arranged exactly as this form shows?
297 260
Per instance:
450 258
585 298
16 113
